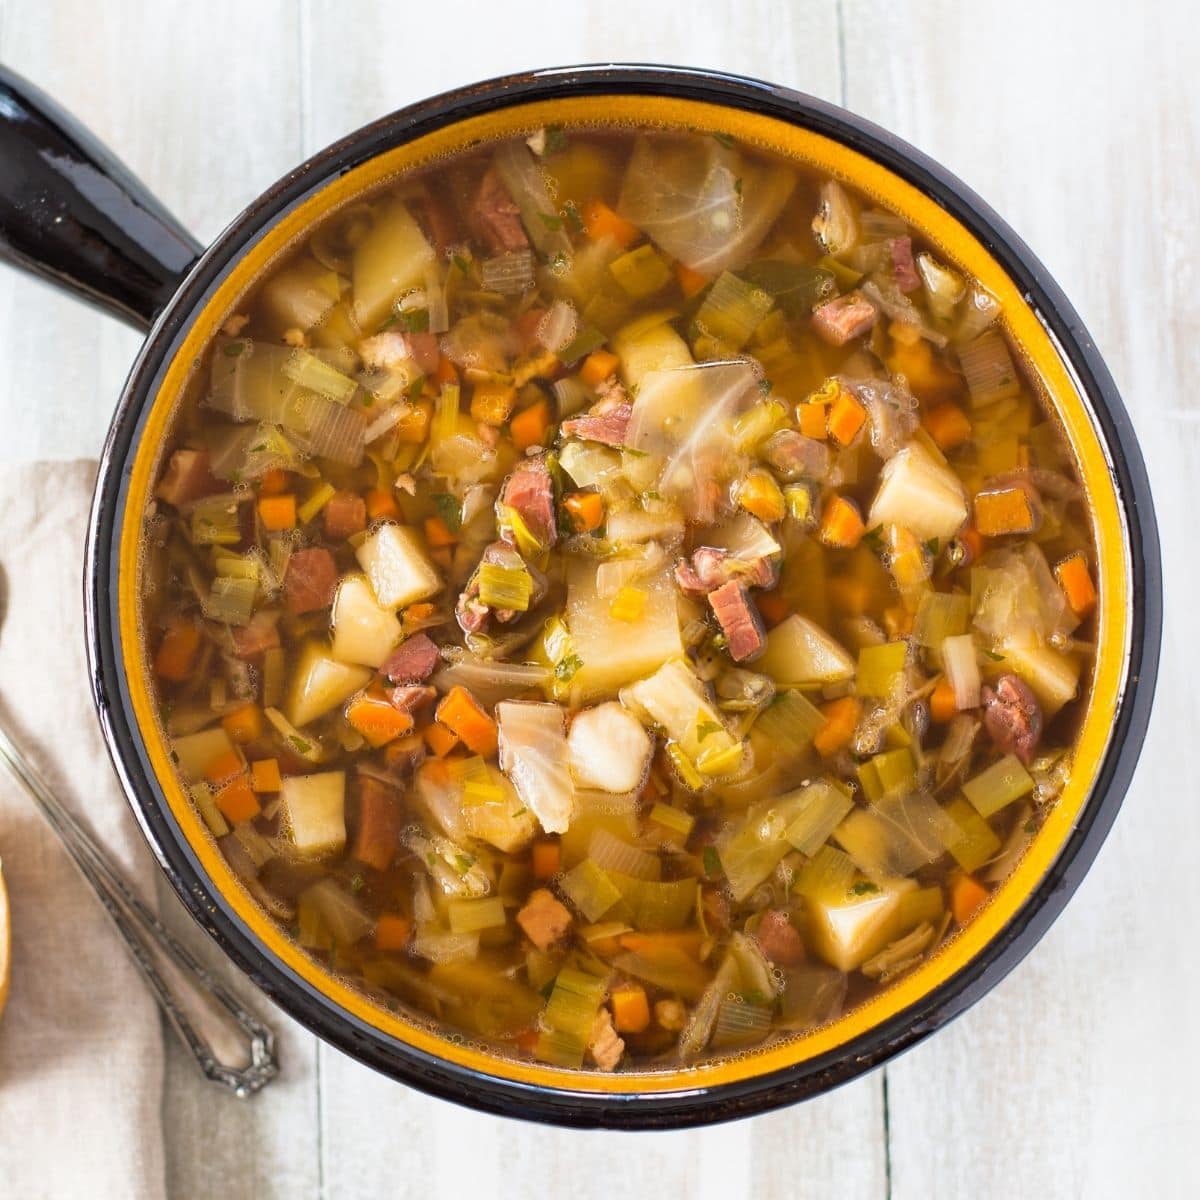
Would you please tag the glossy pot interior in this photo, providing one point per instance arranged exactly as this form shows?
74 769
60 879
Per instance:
1057 350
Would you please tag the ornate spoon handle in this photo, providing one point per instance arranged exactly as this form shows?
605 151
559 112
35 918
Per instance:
231 1046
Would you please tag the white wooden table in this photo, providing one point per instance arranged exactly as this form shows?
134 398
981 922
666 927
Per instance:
1080 123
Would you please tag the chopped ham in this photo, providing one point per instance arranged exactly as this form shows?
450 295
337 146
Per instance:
607 427
412 661
837 321
411 698
258 635
545 919
344 516
793 455
424 350
377 836
496 217
187 478
779 940
709 568
530 491
604 1045
435 219
739 621
1012 717
903 267
309 582
384 350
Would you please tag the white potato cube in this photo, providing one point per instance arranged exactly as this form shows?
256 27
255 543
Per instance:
320 683
398 567
314 809
608 749
364 632
920 494
195 752
799 652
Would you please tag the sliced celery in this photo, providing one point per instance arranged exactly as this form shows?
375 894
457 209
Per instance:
201 795
470 916
741 1022
505 588
677 823
688 775
972 842
998 786
215 521
445 414
939 616
312 372
790 722
589 889
830 873
879 667
655 906
823 807
231 600
611 853
890 772
641 272
758 845
732 310
569 1015
316 500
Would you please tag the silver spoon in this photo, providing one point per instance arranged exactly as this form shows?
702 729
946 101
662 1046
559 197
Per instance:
231 1046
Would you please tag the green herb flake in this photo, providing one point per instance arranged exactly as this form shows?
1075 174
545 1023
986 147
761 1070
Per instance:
723 139
567 668
556 140
233 349
299 744
712 861
416 388
552 221
357 883
461 263
874 538
994 656
1030 826
415 320
449 510
706 729
737 185
764 387
933 547
573 217
519 813
463 863
864 887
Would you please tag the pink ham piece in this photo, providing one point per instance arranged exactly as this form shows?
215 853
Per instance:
496 217
423 347
344 516
1012 717
309 581
258 635
607 427
530 491
709 568
903 268
837 321
779 940
187 478
411 699
739 621
436 220
413 661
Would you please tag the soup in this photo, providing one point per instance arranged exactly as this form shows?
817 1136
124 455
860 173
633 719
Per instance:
617 595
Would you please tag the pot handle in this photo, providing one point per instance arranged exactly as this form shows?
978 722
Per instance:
72 213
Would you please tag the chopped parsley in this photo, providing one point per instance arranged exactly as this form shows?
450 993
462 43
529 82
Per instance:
1030 826
552 221
933 546
723 138
414 320
556 140
864 887
707 728
463 863
357 883
994 656
573 217
874 538
567 668
233 349
461 263
449 510
737 185
764 387
712 861
299 744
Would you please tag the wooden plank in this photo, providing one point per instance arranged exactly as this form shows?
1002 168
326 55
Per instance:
1075 1077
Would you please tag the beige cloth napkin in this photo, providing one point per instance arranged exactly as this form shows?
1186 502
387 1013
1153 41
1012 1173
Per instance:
81 1055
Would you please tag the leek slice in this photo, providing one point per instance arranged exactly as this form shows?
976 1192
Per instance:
880 668
231 600
972 842
569 1015
759 844
610 853
310 371
790 722
822 806
215 521
505 588
589 889
470 916
733 310
998 786
655 906
940 615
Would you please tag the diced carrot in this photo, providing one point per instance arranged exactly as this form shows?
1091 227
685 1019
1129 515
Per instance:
392 931
274 482
847 416
971 541
177 651
942 702
277 512
492 402
437 533
691 283
599 221
530 426
811 419
773 606
439 739
237 802
1002 512
376 719
841 523
547 860
244 724
948 425
630 1009
265 776
586 510
381 505
841 718
760 496
413 427
446 372
460 712
967 895
224 766
928 378
598 366
1076 582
